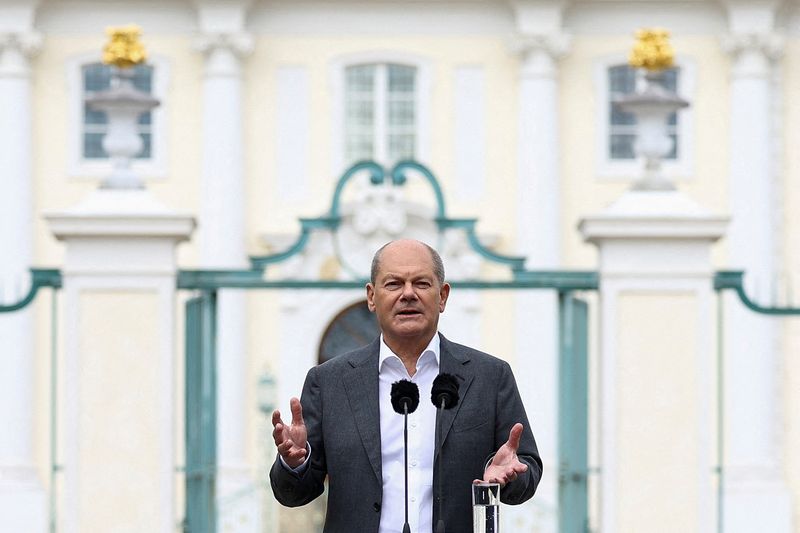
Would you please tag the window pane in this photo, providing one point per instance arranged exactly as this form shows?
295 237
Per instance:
360 113
401 114
401 79
621 118
621 146
93 117
360 78
401 147
146 152
93 147
673 154
621 79
359 147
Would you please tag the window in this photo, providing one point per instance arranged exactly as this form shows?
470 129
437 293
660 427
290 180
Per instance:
96 78
380 112
86 75
622 80
615 130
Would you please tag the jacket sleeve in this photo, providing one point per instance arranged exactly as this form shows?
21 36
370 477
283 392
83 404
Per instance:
510 410
292 489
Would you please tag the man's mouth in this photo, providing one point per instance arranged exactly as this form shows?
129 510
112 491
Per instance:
408 312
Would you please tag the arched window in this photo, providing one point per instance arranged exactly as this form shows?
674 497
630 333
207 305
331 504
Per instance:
353 327
380 112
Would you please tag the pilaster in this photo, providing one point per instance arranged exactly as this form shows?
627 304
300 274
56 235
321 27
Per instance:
539 44
22 494
224 45
755 492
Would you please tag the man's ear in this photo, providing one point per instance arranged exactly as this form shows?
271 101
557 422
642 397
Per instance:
370 297
444 292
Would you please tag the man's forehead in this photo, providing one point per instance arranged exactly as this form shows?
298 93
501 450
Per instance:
405 257
411 271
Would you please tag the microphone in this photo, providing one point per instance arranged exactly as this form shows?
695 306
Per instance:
405 400
444 395
405 397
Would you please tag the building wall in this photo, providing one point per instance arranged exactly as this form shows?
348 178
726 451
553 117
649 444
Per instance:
312 38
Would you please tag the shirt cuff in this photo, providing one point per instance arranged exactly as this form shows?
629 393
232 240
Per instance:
301 467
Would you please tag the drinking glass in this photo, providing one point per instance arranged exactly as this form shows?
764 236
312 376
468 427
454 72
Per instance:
486 507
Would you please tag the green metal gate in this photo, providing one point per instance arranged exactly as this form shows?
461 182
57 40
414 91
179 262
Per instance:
573 406
201 413
573 335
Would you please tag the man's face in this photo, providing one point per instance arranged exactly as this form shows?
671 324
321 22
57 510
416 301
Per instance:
407 297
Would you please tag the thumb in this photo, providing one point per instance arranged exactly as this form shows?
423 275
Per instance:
297 411
514 436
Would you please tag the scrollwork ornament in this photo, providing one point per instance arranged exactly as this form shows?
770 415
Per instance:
771 45
26 43
240 43
555 45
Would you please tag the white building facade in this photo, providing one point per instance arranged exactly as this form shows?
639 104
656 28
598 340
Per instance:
264 105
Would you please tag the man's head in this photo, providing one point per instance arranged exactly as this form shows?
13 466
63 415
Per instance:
407 291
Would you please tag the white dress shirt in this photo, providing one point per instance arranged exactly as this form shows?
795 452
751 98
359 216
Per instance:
421 441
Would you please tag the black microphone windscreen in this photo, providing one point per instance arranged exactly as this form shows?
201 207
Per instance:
405 393
445 387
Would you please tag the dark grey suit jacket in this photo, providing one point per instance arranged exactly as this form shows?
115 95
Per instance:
341 412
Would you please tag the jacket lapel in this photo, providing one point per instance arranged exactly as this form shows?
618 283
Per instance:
453 361
361 384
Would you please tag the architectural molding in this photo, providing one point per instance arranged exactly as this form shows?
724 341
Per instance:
240 43
753 53
16 51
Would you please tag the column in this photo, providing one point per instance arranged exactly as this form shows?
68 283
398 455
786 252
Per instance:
118 400
539 44
657 331
755 493
22 495
222 245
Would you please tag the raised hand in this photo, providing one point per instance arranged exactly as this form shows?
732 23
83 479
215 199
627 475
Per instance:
505 465
291 440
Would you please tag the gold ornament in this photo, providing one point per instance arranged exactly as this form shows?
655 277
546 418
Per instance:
652 50
124 49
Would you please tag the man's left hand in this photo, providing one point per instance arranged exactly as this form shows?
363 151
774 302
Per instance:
505 465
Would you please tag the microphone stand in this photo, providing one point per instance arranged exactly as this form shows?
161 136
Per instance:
406 527
440 522
444 395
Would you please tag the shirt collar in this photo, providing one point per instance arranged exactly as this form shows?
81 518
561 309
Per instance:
387 353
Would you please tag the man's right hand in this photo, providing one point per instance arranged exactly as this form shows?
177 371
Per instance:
291 440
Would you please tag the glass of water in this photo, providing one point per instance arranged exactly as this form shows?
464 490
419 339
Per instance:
485 507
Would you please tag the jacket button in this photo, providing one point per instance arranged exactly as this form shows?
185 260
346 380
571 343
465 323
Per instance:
377 507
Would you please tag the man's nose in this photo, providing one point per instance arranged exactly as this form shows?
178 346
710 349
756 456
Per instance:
408 291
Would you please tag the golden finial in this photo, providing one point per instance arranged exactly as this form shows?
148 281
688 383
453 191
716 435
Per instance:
124 49
652 50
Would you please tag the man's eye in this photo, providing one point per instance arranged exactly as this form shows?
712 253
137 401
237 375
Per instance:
423 284
391 284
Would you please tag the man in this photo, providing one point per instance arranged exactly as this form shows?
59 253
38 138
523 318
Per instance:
344 427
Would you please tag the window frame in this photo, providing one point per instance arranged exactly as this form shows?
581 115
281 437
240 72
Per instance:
422 103
78 166
606 168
